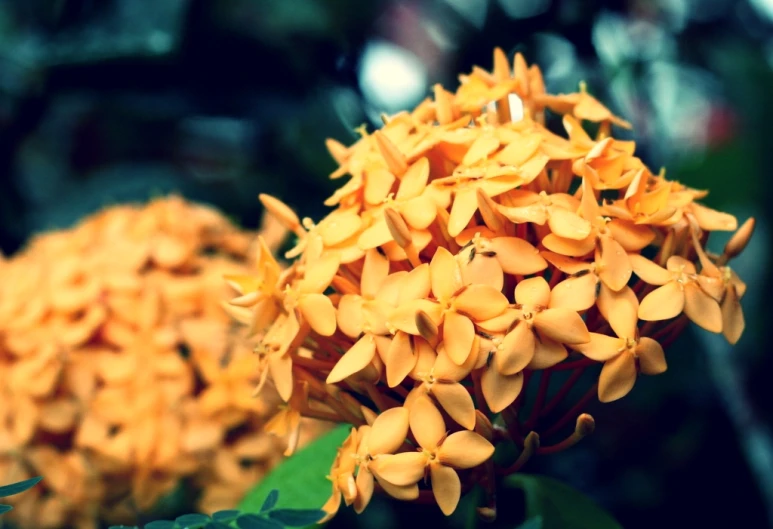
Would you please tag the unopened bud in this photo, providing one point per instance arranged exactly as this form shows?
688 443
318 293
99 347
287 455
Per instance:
427 328
488 210
281 211
398 228
585 425
369 414
394 159
337 150
483 426
487 514
740 239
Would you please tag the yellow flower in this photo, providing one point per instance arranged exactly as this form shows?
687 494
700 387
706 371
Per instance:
439 454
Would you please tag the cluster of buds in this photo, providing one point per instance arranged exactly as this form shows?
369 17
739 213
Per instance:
121 372
471 251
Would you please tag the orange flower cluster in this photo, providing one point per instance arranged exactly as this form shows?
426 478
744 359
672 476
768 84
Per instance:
472 250
121 371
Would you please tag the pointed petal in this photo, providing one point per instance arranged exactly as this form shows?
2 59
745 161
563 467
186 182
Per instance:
732 316
615 267
600 347
388 431
547 353
350 317
458 336
480 302
575 293
465 450
517 256
652 359
563 325
481 149
702 308
533 291
376 235
648 271
517 350
320 274
518 152
464 207
414 180
281 369
663 303
401 469
456 400
621 310
416 284
375 270
419 212
569 247
632 237
484 270
318 310
445 275
712 220
354 360
446 370
406 493
567 224
365 486
446 487
500 390
427 423
404 317
400 359
617 378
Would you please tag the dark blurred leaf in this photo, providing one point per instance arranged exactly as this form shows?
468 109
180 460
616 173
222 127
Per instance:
253 521
21 486
559 505
297 517
160 524
226 516
5 508
187 520
270 502
217 525
534 523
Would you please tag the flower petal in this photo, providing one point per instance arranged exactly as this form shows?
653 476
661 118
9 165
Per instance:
427 423
350 316
617 378
464 207
446 487
547 353
456 400
732 316
483 270
652 359
632 237
648 271
414 180
568 225
400 359
533 291
702 308
517 256
445 275
576 293
569 247
281 369
365 486
480 302
319 312
620 309
375 270
600 347
663 303
406 493
615 270
354 360
458 336
419 212
388 431
415 284
562 325
404 317
517 350
500 390
465 450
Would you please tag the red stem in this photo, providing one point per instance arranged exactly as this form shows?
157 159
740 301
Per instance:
573 412
563 391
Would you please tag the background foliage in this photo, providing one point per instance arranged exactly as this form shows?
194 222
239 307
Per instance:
221 99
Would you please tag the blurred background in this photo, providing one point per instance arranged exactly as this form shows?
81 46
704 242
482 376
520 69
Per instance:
107 101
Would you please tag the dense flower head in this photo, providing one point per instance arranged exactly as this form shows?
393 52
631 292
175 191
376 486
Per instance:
473 249
122 373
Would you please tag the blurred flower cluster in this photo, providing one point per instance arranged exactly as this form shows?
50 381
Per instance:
473 250
122 374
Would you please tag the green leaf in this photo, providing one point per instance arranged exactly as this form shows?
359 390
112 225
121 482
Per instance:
21 486
270 502
123 527
301 477
253 521
188 520
160 524
226 516
217 525
559 505
5 508
297 517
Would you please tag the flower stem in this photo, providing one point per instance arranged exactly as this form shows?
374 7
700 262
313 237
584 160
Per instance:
573 412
